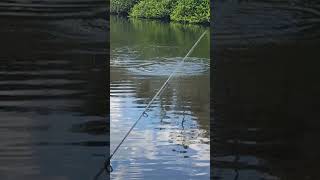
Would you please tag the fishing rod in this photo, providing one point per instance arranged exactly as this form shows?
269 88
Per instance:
107 165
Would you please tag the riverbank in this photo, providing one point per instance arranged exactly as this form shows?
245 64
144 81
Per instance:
185 11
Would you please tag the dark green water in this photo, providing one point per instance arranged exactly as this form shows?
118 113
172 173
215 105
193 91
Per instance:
173 141
52 90
266 90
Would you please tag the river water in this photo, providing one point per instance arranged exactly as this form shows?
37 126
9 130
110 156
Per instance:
266 92
52 89
53 101
173 141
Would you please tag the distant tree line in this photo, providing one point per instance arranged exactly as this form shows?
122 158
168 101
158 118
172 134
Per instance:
186 11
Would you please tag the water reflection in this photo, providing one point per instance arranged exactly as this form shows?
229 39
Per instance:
174 139
52 99
266 91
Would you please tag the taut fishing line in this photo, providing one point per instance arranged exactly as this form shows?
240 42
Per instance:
107 165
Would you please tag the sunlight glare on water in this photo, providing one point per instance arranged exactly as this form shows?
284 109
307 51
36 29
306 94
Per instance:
173 141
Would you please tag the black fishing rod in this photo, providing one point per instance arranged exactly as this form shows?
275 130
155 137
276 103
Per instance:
107 165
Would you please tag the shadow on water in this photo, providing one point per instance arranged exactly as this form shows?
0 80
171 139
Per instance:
266 92
53 105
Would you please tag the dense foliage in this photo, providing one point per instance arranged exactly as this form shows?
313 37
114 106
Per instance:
121 6
191 11
153 9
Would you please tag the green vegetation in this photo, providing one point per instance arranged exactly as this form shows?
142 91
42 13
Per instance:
193 11
185 11
121 6
153 9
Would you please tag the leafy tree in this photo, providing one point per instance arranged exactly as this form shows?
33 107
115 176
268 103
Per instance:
121 6
187 11
193 11
153 9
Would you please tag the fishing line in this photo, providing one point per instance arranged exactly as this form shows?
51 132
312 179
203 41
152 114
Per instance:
107 166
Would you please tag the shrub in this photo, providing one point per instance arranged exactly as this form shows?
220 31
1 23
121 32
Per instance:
189 11
121 6
153 9
193 11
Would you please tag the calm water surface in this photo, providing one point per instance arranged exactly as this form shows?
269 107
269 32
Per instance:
173 141
52 97
266 90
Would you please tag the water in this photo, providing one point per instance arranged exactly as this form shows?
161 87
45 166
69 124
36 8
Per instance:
266 90
173 141
52 89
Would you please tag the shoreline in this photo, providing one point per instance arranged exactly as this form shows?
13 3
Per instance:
165 20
